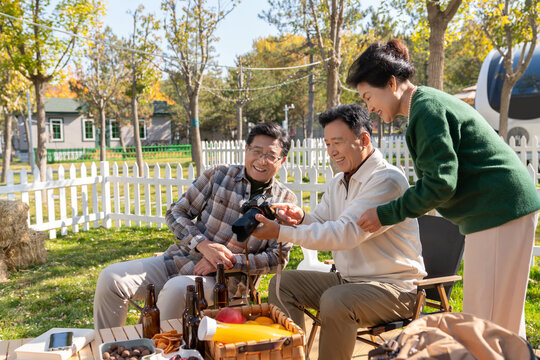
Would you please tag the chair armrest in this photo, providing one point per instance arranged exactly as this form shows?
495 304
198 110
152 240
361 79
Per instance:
437 280
329 262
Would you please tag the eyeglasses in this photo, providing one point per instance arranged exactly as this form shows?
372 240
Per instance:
271 158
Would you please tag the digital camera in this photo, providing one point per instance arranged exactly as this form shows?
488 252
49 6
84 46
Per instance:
244 226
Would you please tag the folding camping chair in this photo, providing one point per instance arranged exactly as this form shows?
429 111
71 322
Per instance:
442 250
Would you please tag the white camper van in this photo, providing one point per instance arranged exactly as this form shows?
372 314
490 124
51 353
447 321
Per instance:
524 112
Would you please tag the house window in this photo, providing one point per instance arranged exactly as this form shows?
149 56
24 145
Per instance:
56 129
142 129
114 130
89 130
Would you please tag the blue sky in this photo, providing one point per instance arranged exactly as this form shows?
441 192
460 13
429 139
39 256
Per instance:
236 32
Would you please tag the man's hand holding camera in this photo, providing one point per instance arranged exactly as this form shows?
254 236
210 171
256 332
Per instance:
288 214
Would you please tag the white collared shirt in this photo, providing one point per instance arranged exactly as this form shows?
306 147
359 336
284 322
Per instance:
392 254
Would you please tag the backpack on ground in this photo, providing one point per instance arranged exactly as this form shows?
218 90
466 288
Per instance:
454 336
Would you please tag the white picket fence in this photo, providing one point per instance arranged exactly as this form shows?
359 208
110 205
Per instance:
304 154
121 196
76 198
312 153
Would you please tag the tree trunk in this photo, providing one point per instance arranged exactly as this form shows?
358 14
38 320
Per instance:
27 129
7 146
332 82
436 56
311 101
102 138
196 148
239 104
39 87
506 92
239 121
135 123
438 23
311 92
332 94
122 140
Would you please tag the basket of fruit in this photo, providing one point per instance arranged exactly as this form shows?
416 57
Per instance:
286 341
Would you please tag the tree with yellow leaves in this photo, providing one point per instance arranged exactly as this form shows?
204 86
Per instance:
12 88
512 28
100 77
37 52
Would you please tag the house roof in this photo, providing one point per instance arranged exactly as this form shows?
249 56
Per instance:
62 106
161 108
71 106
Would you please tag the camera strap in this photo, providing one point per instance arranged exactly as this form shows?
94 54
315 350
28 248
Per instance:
278 280
254 295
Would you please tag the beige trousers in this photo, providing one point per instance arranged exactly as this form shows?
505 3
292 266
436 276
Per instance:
344 307
496 272
127 280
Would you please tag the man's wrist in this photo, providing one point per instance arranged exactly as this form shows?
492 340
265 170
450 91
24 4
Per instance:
303 216
201 245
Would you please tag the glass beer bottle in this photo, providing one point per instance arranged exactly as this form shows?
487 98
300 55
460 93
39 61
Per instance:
188 311
150 314
194 322
203 304
221 293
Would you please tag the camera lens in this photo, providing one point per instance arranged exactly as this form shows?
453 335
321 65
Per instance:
244 226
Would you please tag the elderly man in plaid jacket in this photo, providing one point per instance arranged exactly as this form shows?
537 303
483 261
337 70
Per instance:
202 221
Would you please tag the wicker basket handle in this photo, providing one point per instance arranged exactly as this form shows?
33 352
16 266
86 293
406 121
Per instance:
269 346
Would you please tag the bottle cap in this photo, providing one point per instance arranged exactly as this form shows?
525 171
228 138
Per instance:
207 328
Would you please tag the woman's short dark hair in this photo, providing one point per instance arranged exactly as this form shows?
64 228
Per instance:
379 62
354 115
273 130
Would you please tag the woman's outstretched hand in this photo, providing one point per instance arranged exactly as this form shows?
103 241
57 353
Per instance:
369 221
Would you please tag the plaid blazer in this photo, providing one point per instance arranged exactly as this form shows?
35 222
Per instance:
208 209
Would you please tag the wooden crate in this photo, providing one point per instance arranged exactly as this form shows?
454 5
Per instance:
292 349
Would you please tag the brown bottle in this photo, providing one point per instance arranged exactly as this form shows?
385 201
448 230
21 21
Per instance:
203 304
194 321
221 293
150 314
188 311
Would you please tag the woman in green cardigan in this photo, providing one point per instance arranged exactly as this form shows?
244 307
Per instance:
466 172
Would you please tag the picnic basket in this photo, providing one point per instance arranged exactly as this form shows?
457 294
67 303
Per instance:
287 348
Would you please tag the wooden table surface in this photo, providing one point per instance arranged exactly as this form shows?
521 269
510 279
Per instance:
91 351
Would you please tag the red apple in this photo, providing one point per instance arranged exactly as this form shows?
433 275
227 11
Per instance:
230 315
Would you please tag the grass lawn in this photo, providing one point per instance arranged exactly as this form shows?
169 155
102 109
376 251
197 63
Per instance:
60 292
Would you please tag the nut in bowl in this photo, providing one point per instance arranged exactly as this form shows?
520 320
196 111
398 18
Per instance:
142 349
